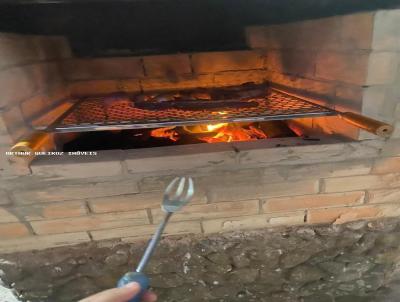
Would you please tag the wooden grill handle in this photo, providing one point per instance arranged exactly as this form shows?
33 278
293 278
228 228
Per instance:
37 141
373 126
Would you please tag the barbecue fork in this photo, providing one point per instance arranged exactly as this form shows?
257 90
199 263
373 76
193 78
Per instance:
177 194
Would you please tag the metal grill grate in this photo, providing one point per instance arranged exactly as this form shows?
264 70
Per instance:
99 113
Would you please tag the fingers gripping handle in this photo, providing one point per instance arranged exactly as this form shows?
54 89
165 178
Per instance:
135 277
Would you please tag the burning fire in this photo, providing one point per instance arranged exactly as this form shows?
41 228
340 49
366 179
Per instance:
222 132
233 133
211 128
167 132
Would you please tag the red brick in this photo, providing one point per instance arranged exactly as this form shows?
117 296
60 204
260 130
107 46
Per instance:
229 78
47 76
52 210
17 50
173 228
349 97
168 66
123 203
211 210
336 169
92 222
75 191
4 198
343 67
132 202
179 158
259 37
252 222
226 61
55 96
103 68
386 165
325 33
251 190
15 122
341 215
95 87
52 47
336 33
260 154
389 210
129 85
289 204
326 88
362 182
7 216
292 218
16 84
384 196
13 230
242 177
296 35
107 163
179 82
350 93
293 62
33 106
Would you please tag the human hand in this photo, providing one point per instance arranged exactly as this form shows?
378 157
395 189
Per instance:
122 294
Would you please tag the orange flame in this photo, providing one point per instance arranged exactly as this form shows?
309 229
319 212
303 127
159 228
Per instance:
233 133
212 128
222 132
167 132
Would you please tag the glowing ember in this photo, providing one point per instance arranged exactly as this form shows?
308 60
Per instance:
167 132
235 132
212 128
222 132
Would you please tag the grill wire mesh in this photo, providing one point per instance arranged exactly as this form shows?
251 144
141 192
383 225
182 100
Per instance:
101 113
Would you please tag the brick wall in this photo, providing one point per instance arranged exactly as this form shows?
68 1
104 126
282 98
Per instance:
341 59
30 82
245 185
163 72
238 186
351 61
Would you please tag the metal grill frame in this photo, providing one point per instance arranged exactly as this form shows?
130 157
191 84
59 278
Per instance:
305 109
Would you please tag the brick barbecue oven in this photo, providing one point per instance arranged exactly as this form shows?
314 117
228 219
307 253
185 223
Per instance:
297 127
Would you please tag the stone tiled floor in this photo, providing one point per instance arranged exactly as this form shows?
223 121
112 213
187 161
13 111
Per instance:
356 262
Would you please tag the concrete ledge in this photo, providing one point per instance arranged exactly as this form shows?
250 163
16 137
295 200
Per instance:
203 156
105 163
206 157
260 153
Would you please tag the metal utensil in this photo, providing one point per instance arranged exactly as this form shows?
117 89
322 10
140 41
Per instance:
177 194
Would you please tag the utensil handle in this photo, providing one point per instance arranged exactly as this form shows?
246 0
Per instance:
140 278
376 127
153 243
